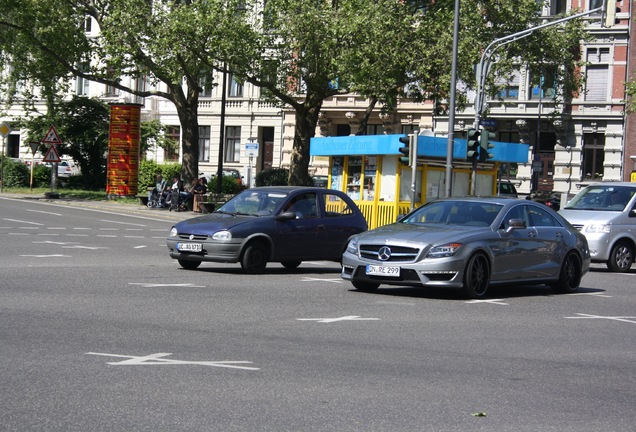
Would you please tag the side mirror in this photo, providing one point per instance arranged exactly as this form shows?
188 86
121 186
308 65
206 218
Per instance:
285 216
515 224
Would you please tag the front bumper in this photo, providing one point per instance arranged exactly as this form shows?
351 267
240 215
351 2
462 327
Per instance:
213 251
439 272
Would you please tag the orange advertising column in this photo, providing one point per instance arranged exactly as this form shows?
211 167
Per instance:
123 150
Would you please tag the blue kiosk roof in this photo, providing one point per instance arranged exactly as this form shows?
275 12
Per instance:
427 146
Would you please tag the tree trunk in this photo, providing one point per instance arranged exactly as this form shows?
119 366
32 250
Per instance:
306 121
187 111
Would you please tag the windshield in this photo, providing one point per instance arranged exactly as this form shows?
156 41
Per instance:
602 198
253 203
465 213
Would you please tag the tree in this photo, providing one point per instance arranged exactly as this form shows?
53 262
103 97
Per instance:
46 44
82 124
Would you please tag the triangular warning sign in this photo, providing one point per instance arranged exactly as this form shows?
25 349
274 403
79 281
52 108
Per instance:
52 137
51 155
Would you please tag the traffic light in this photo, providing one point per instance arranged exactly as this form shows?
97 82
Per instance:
405 150
610 13
485 144
472 145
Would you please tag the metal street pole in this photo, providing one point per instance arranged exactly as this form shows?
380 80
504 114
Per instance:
219 170
451 114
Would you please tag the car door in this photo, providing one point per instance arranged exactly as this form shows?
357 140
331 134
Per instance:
515 255
553 240
297 239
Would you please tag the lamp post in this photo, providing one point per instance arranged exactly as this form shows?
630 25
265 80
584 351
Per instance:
219 170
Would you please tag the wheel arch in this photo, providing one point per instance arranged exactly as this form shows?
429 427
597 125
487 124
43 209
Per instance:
262 238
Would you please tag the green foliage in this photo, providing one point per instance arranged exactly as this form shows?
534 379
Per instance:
41 176
82 125
229 185
15 174
148 170
272 177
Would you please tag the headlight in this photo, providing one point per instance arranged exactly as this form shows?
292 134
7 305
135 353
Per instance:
598 228
222 235
352 247
174 232
442 251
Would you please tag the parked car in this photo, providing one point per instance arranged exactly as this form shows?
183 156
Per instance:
470 244
551 199
606 214
286 224
506 188
66 169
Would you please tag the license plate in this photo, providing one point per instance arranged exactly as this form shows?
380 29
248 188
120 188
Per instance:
189 247
374 270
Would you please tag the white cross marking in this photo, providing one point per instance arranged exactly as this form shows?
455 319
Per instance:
344 318
493 301
611 318
46 256
157 359
83 247
592 294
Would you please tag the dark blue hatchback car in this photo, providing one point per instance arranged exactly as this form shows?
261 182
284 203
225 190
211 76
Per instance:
286 224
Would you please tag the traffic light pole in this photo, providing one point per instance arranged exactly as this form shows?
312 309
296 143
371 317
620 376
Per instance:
484 64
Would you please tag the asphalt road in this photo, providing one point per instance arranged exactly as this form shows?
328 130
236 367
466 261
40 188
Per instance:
101 331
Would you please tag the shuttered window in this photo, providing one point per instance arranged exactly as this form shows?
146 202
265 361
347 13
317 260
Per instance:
596 83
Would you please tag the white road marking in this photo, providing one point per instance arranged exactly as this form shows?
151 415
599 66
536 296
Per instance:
23 222
310 279
629 319
592 294
133 236
56 228
140 247
78 235
107 235
83 247
344 318
493 301
156 285
109 229
40 211
23 234
82 228
122 223
47 256
53 242
158 359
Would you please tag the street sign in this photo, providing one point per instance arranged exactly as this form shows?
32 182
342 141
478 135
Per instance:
52 137
5 129
34 146
251 149
52 155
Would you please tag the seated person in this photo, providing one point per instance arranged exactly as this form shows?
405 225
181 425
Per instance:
158 190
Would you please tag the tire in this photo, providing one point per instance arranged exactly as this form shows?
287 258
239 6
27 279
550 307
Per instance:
570 275
476 276
254 258
365 286
189 265
621 257
291 264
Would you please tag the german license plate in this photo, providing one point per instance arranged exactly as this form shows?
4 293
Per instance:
374 270
189 247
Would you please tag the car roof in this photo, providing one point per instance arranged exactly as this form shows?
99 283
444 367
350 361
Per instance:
490 199
287 189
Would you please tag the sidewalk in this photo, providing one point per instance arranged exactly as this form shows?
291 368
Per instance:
113 206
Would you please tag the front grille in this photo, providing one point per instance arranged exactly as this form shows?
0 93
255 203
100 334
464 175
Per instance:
398 253
198 237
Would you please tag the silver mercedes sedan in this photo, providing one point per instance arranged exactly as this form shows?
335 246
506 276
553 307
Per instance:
470 244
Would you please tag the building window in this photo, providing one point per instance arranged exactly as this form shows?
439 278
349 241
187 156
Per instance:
204 143
172 143
82 84
373 129
140 83
547 89
88 24
232 144
510 89
593 156
409 129
236 88
205 82
595 4
597 74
